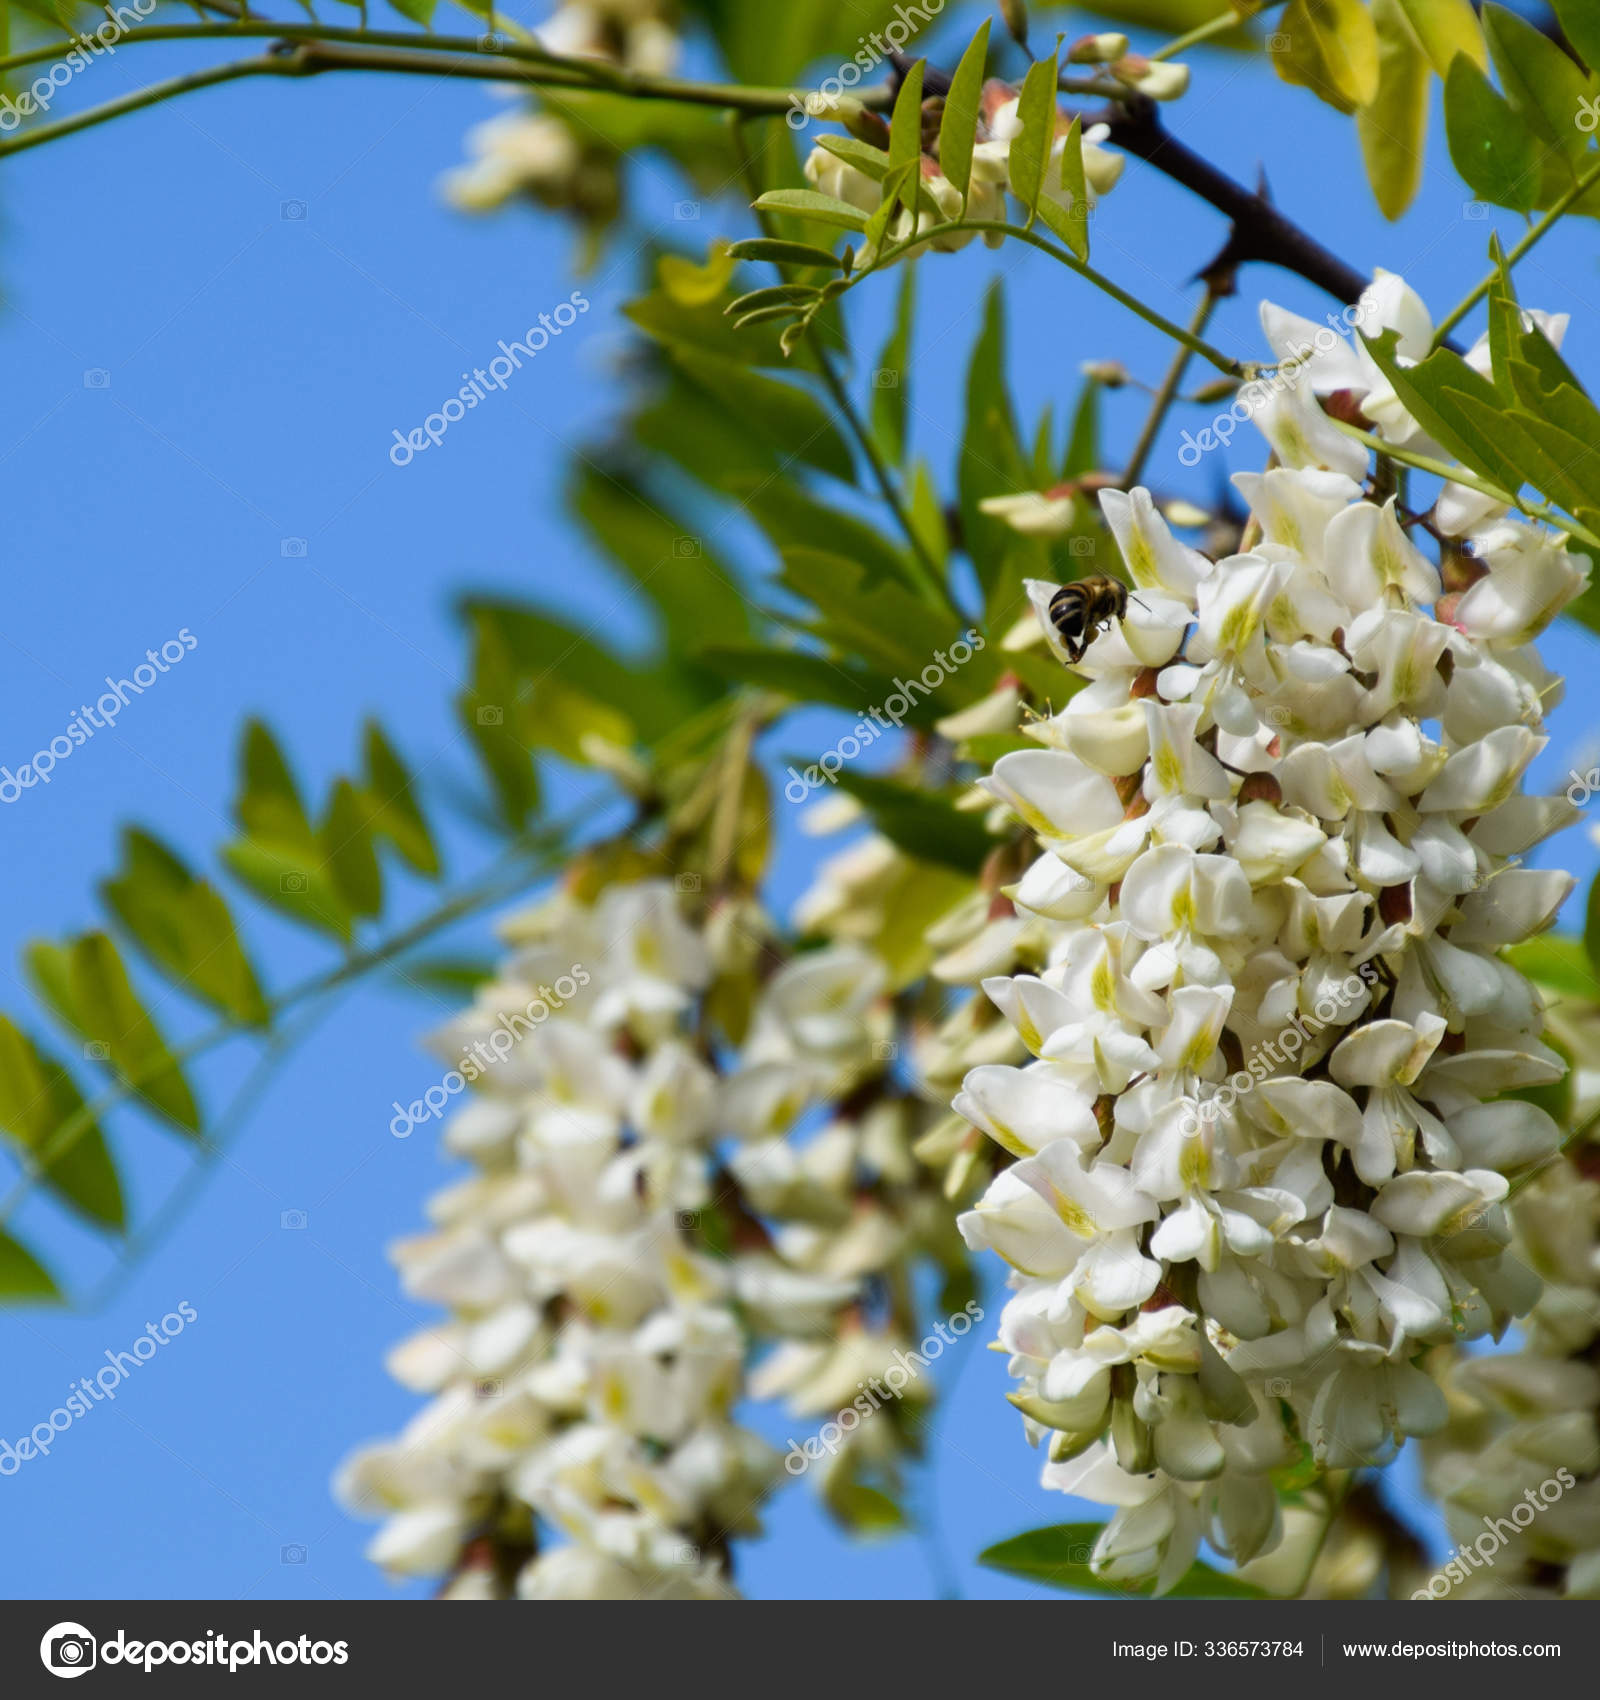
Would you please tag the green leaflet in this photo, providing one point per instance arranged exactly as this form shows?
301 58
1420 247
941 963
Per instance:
1058 1556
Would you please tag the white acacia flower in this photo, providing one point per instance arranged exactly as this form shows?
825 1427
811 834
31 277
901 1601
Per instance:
1260 1162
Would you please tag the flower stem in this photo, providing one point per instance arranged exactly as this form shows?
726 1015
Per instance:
1223 362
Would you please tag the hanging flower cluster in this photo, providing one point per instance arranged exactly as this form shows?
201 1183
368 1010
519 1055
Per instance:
583 1382
541 155
852 175
1259 1158
606 1276
1518 1468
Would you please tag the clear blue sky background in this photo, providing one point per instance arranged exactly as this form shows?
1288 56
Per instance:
257 367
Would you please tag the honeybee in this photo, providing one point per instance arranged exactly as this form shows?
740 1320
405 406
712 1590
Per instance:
1080 611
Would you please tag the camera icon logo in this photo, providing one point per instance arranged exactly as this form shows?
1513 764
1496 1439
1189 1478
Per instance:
686 548
293 211
97 1050
886 378
97 378
294 1553
293 548
686 209
291 882
1080 546
68 1649
491 714
687 882
292 1219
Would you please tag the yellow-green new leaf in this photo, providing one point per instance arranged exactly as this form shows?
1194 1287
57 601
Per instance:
268 804
111 1014
183 927
292 880
346 841
1444 28
37 1096
1331 48
22 1275
393 809
1394 128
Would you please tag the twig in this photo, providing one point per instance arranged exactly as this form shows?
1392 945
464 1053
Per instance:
1260 231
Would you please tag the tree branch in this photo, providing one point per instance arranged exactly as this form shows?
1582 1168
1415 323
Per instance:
1260 231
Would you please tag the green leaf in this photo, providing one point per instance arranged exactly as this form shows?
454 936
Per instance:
788 417
1070 223
182 925
1083 446
1394 128
419 11
347 852
1547 91
799 674
773 295
779 253
808 204
1591 926
1580 21
693 590
1559 962
1030 148
268 801
37 1096
905 132
1489 145
1443 29
1329 47
993 462
892 373
109 1012
291 880
924 825
794 519
456 976
22 1275
392 808
888 625
958 125
1059 1557
1432 392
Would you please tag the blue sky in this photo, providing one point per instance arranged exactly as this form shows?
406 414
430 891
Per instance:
216 314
